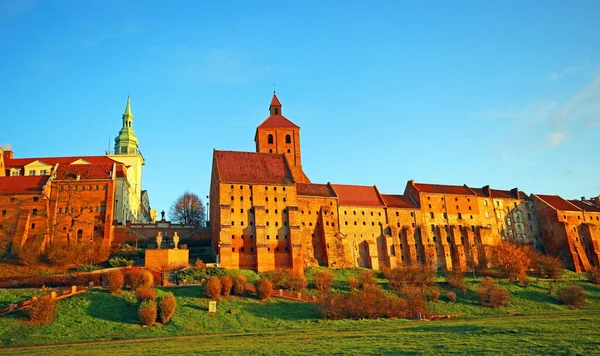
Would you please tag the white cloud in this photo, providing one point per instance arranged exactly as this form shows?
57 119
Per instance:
566 71
545 124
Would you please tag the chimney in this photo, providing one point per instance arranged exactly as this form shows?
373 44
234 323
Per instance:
582 198
8 155
487 190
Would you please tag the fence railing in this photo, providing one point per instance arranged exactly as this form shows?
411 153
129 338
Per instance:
55 294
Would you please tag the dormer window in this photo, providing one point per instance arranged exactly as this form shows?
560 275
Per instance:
276 111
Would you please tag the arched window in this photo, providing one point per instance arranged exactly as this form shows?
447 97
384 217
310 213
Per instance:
288 139
270 138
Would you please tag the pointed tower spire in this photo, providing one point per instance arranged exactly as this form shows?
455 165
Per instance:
275 107
128 107
126 142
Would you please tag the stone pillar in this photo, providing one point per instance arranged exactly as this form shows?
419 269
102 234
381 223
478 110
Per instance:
411 245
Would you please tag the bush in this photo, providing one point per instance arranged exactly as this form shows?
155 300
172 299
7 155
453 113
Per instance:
492 295
573 296
137 277
417 276
593 275
115 281
147 312
119 261
414 298
226 285
42 311
295 282
213 288
166 307
456 279
145 293
433 294
353 283
278 277
550 266
239 285
323 280
451 297
198 275
264 288
369 302
366 278
510 260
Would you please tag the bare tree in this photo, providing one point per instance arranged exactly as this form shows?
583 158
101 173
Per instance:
187 209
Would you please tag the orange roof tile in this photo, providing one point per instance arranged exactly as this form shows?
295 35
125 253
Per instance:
443 189
277 121
20 162
84 171
557 202
398 201
22 184
314 190
252 167
357 195
585 205
275 101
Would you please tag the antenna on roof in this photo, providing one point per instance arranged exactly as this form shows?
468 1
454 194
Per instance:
273 88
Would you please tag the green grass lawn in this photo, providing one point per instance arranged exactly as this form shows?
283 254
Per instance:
535 322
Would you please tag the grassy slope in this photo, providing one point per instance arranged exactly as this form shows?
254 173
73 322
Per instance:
101 316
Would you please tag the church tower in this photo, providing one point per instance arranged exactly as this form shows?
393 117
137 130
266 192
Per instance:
126 142
128 198
278 135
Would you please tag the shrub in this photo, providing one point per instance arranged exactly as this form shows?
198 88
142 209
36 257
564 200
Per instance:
492 295
115 281
119 261
166 307
369 302
226 285
456 279
43 310
239 285
418 276
213 288
278 277
414 298
264 287
451 297
295 282
593 275
137 277
147 312
510 260
145 293
323 280
550 266
433 294
197 275
366 278
353 283
573 296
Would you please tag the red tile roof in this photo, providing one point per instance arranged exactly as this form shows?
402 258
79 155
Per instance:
252 167
275 101
357 195
84 171
585 205
314 190
398 201
443 189
22 184
506 194
277 121
557 202
20 162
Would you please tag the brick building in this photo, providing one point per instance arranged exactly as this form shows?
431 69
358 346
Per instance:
266 214
569 229
71 198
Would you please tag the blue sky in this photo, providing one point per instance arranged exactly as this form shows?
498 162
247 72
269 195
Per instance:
505 93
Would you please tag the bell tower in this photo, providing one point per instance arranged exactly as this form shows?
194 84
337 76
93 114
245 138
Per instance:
126 142
278 135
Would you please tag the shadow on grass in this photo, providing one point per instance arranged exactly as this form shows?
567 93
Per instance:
110 307
275 309
190 292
